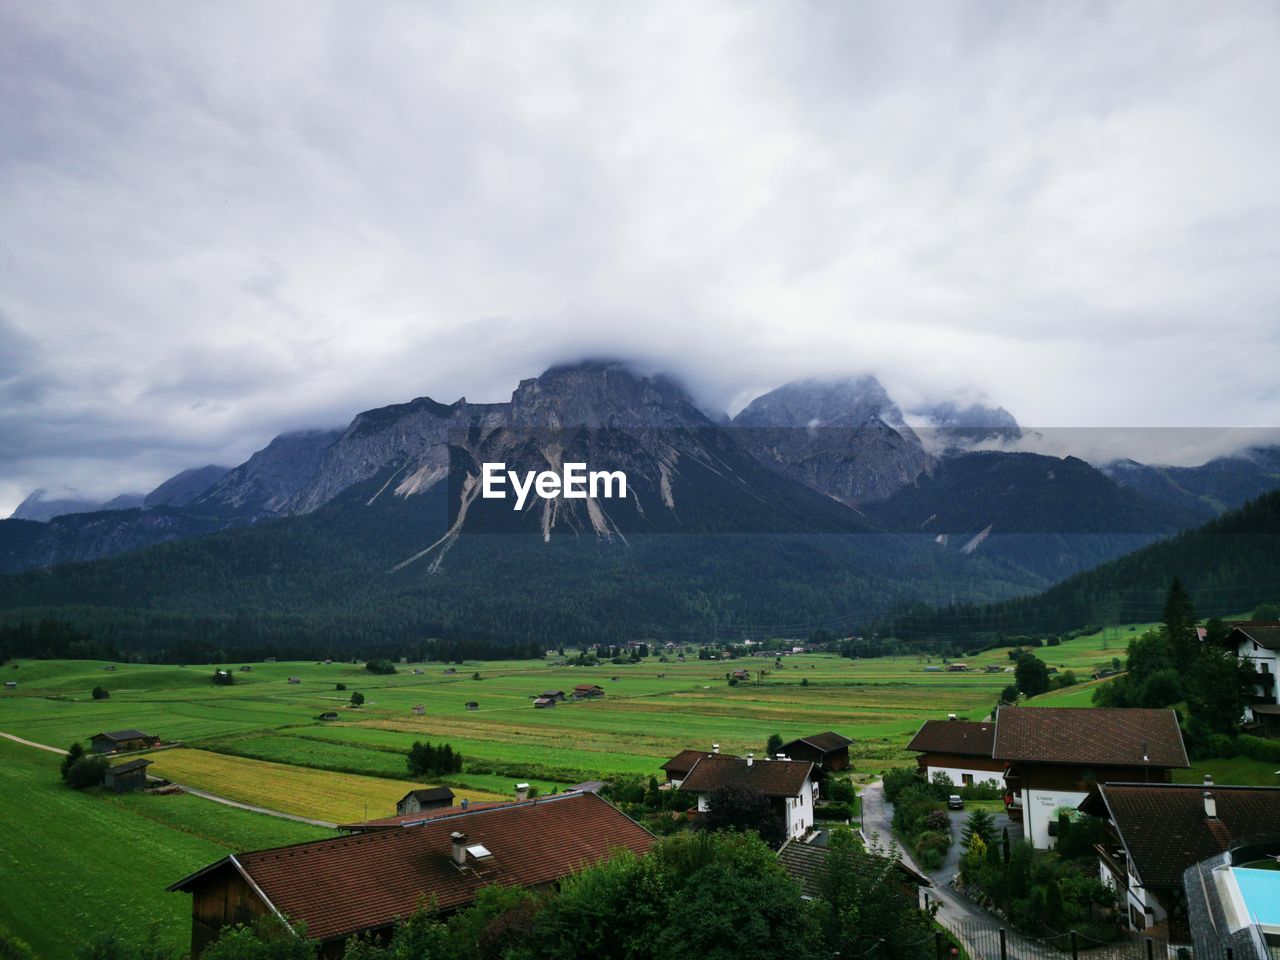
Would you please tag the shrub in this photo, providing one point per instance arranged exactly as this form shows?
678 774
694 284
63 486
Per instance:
841 791
357 699
340 686
833 811
982 790
895 781
1259 749
100 693
380 665
937 820
223 678
85 772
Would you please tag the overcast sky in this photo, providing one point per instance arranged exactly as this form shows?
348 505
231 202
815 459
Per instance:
219 221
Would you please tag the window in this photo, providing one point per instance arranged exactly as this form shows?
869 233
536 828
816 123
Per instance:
967 779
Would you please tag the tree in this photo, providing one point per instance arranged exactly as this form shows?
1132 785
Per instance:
74 753
357 699
737 809
87 771
774 746
267 939
340 686
1215 690
1009 694
981 826
1031 675
380 665
863 910
100 693
427 759
1179 620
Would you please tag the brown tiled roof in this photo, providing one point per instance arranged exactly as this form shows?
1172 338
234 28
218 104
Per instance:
1098 736
407 819
773 778
1265 633
428 794
826 742
805 862
368 880
1165 830
683 761
967 738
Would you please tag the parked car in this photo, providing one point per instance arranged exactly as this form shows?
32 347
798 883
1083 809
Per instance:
954 802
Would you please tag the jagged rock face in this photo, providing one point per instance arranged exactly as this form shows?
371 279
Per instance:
952 428
264 484
42 507
845 438
182 488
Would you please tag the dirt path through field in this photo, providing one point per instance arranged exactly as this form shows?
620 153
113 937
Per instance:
32 743
194 792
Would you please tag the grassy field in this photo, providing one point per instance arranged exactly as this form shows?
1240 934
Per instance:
260 741
74 863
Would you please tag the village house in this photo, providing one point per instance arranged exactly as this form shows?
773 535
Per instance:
1054 756
959 748
543 702
1257 644
806 863
11 684
788 784
428 798
1156 832
419 710
740 674
957 667
340 887
120 741
554 695
127 776
587 691
678 767
829 751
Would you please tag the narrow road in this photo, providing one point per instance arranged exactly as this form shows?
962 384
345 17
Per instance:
204 794
957 913
32 743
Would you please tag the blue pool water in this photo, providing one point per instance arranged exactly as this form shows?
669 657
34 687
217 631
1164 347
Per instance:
1261 892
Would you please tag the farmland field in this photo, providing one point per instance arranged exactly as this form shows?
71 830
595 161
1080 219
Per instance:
261 741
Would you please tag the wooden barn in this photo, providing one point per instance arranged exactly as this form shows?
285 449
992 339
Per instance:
127 776
121 741
828 750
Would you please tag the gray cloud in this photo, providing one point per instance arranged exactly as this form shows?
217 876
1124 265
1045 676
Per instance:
222 221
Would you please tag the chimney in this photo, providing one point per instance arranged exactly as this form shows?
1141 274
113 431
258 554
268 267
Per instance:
715 748
751 757
781 756
459 848
1208 779
522 792
465 803
1210 806
951 716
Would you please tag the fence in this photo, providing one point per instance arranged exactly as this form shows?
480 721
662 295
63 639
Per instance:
985 941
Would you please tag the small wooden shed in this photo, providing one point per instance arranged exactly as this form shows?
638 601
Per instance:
124 777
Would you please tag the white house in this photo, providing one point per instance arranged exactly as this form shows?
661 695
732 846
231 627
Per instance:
959 748
1257 643
787 783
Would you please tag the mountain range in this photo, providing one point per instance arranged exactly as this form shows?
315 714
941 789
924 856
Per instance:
817 501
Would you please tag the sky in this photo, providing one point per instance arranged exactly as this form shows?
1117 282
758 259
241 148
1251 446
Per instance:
224 221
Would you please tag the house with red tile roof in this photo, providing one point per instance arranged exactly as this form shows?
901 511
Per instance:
678 767
1054 757
959 748
789 784
368 880
1156 832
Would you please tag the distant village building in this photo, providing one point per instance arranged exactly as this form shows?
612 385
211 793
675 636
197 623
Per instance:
788 784
449 670
11 684
120 741
740 674
957 667
587 691
328 715
427 798
959 748
419 710
110 668
543 702
295 679
444 860
473 705
1156 832
829 750
246 669
124 777
553 694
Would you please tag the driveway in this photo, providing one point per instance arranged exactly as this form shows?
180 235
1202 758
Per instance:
955 911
